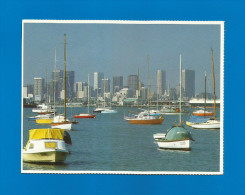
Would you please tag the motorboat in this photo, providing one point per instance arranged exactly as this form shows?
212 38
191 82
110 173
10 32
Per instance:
202 113
46 146
144 118
108 111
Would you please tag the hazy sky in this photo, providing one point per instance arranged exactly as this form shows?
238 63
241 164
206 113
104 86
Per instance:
120 49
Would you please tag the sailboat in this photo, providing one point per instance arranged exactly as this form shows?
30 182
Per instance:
61 121
213 123
177 137
145 117
46 119
46 146
104 109
86 115
203 112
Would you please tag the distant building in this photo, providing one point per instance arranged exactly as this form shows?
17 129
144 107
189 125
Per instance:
70 79
161 82
188 83
38 88
143 93
24 92
117 83
133 84
105 85
172 94
98 76
57 84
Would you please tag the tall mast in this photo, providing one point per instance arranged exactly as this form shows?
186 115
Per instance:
88 93
138 87
104 91
65 76
180 91
149 88
54 75
47 86
205 94
213 85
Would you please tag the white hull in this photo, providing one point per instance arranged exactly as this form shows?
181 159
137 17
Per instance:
175 145
107 111
206 126
159 136
66 127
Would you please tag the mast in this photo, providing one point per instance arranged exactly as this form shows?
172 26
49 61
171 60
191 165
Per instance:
138 87
149 88
54 76
47 86
180 91
65 76
88 93
104 91
213 85
205 94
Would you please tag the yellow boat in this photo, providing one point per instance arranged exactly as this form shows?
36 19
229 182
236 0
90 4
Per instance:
46 146
44 121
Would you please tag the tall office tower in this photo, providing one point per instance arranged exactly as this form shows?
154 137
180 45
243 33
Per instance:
117 83
98 76
70 77
133 83
188 83
38 88
105 85
57 84
161 82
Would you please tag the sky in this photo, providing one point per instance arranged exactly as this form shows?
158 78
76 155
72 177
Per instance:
120 49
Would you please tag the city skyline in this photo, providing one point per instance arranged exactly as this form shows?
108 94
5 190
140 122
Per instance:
114 53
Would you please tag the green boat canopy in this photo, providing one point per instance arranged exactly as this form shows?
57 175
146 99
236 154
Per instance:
178 133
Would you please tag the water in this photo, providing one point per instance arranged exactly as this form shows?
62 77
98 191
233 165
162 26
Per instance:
109 143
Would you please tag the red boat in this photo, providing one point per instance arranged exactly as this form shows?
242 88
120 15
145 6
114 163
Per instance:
84 115
202 113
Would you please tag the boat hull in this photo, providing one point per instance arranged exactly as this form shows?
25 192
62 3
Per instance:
202 114
45 157
146 122
206 126
175 145
44 121
66 126
85 116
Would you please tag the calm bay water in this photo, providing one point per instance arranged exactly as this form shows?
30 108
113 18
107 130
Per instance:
109 143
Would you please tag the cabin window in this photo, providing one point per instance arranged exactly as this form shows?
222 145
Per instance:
50 144
31 146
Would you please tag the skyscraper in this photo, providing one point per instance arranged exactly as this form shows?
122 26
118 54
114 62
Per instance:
57 84
70 77
161 82
98 76
38 88
117 83
133 83
105 85
188 83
